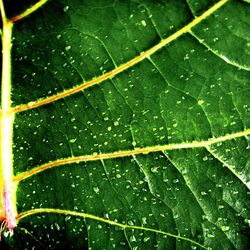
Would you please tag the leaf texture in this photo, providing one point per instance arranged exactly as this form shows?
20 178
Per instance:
194 91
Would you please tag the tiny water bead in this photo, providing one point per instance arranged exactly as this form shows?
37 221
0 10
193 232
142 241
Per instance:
200 102
225 228
154 169
132 238
116 123
96 190
143 22
67 48
66 8
72 140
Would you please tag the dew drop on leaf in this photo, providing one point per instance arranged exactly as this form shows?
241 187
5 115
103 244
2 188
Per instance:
72 140
225 228
154 169
200 102
210 235
96 190
205 158
143 22
67 48
116 123
132 238
66 8
118 176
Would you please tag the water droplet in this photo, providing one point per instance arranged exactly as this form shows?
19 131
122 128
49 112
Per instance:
116 123
247 221
143 22
210 235
225 228
118 176
184 171
205 158
154 169
67 48
96 189
186 57
215 39
66 8
132 238
200 102
57 226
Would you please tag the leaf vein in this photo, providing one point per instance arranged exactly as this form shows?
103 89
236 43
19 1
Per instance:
110 222
136 151
123 67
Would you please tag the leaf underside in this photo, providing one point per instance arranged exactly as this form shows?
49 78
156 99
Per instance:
194 88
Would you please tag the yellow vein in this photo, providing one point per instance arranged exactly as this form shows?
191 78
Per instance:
110 222
136 151
123 67
7 186
29 11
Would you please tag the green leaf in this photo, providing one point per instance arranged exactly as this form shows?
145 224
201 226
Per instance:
132 124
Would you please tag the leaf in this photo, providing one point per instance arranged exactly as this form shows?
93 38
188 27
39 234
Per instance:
131 125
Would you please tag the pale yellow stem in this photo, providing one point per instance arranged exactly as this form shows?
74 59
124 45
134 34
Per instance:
7 186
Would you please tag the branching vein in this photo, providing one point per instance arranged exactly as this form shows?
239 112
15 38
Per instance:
136 151
110 222
121 68
29 11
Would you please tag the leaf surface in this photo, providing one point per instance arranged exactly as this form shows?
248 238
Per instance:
165 141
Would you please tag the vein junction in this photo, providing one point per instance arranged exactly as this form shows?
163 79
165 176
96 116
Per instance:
8 209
